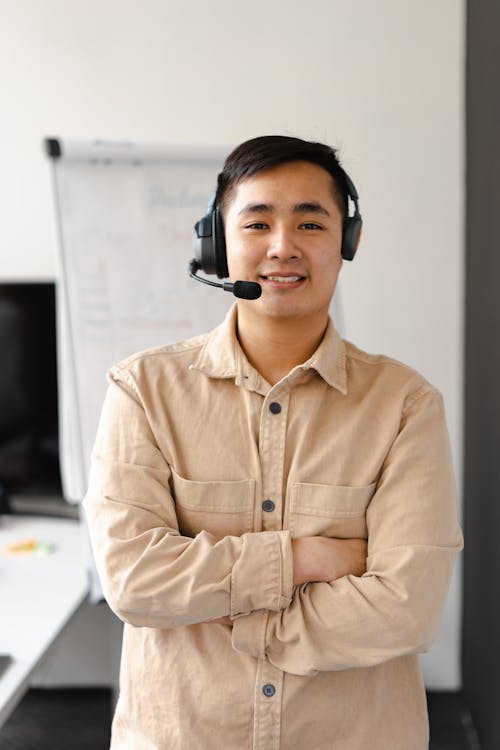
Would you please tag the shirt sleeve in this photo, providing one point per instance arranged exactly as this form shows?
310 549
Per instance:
394 608
151 575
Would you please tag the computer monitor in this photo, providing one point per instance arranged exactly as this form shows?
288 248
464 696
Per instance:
29 449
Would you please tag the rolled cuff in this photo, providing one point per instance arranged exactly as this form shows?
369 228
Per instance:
262 577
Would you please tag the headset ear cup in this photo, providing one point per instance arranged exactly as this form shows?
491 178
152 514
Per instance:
208 259
197 243
351 236
203 246
219 244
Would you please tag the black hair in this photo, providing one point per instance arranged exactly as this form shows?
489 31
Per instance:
268 151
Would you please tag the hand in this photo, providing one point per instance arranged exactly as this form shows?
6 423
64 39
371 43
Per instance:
318 558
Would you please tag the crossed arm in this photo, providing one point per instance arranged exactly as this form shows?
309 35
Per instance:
320 559
350 604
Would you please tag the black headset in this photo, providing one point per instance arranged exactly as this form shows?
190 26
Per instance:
209 242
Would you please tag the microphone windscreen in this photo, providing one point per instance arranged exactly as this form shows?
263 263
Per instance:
247 289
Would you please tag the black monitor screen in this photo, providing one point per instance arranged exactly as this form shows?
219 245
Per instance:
29 455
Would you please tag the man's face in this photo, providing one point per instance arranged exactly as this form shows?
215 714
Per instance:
283 229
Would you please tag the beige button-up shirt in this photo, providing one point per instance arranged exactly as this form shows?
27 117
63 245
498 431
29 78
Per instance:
202 474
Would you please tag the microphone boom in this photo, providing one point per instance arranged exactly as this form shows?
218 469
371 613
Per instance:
240 289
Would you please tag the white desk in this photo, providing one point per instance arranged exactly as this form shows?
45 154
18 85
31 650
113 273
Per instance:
38 595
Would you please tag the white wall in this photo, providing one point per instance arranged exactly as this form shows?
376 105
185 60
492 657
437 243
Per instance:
383 81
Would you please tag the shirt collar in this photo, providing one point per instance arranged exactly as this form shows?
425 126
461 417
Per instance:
329 359
218 356
223 357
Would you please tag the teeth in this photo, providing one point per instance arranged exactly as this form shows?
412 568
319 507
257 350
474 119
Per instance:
284 278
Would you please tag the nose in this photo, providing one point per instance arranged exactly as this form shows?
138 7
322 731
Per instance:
283 245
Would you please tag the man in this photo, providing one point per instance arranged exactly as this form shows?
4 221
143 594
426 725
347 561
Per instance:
272 510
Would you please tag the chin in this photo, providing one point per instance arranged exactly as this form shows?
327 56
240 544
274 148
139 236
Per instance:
281 311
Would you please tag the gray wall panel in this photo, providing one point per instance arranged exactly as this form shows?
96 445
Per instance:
481 621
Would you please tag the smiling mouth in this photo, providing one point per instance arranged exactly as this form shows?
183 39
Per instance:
283 279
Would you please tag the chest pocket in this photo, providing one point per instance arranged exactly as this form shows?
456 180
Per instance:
222 508
329 510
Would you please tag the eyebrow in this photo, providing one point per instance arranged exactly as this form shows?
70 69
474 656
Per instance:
310 208
299 208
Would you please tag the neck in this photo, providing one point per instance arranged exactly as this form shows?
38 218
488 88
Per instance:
274 346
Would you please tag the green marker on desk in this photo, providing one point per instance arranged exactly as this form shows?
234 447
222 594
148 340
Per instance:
43 549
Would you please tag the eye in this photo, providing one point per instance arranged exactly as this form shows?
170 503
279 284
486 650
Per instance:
310 225
256 225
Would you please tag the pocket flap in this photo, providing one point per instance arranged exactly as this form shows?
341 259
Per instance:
331 500
232 496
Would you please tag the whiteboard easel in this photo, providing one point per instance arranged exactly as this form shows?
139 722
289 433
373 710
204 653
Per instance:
125 214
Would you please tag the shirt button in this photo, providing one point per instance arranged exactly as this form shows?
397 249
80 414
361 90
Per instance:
269 690
274 407
268 506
